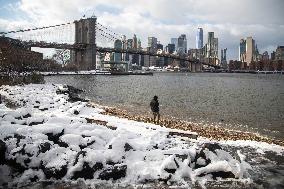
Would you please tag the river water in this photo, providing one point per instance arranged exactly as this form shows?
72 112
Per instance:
248 102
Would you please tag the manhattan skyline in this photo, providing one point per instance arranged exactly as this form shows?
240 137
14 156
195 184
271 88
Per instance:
229 20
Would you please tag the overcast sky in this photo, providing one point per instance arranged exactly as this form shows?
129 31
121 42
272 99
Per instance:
231 20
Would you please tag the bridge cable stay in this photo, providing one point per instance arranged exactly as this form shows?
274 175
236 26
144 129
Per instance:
105 32
109 30
105 37
101 32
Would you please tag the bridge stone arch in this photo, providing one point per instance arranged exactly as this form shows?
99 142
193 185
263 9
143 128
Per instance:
85 33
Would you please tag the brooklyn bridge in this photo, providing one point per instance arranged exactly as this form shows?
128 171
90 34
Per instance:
86 38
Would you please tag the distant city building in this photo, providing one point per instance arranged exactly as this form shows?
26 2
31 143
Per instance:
117 45
224 57
182 44
170 48
199 38
135 42
160 46
175 42
124 42
210 50
152 43
139 44
248 51
272 55
242 50
279 54
129 44
265 56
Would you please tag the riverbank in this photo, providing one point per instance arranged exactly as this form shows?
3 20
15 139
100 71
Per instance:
51 135
211 132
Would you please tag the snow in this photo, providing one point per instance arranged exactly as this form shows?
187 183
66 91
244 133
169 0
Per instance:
56 137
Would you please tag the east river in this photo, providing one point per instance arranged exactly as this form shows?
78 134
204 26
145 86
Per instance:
248 102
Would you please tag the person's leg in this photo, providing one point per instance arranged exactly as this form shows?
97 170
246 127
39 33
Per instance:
158 117
154 114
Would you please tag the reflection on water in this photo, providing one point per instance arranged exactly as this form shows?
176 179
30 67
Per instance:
244 101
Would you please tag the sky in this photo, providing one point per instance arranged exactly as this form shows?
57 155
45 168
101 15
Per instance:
230 20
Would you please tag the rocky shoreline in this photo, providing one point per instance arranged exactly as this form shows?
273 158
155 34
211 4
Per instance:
211 132
54 136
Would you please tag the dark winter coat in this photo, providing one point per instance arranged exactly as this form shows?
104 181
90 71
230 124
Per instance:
154 105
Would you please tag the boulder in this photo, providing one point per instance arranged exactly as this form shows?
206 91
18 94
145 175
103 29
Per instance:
114 172
52 172
212 147
17 167
18 137
2 152
27 115
36 123
127 147
87 172
55 137
222 174
170 164
201 155
76 112
44 147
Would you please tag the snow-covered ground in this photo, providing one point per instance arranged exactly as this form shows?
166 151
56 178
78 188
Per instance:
49 137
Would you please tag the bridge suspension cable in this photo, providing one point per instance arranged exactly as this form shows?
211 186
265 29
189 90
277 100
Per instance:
34 29
60 33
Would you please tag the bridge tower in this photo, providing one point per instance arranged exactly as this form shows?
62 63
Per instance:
85 33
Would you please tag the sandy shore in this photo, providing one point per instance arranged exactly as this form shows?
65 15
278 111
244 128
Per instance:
211 132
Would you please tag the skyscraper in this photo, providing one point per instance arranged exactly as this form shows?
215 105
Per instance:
117 45
152 43
248 50
199 38
224 57
242 50
160 46
170 48
211 49
182 44
139 46
135 43
175 42
129 44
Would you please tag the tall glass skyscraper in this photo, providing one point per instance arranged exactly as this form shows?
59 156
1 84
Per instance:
175 42
199 38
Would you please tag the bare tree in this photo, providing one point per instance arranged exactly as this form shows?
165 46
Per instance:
62 56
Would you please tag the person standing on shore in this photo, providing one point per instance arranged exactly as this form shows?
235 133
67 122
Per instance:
154 104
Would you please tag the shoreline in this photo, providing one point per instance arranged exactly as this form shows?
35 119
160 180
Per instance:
210 132
51 134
